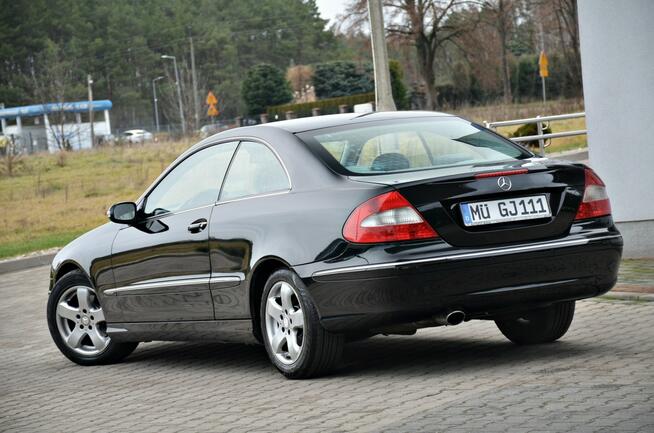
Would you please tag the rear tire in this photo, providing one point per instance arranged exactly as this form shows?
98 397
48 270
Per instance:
296 343
543 325
77 324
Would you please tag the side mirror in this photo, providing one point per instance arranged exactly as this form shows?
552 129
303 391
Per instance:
122 213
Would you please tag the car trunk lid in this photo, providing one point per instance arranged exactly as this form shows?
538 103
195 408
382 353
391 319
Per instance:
438 195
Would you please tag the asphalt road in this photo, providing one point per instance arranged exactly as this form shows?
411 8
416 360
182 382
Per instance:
468 378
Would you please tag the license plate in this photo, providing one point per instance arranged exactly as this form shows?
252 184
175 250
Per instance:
505 210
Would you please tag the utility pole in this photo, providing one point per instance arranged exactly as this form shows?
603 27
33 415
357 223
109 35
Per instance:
156 101
195 85
3 123
543 69
383 94
89 82
179 91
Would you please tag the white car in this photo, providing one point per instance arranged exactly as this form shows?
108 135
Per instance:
136 136
211 129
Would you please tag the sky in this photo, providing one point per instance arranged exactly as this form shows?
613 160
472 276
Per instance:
330 8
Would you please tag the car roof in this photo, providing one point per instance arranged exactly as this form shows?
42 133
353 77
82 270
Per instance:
267 130
330 120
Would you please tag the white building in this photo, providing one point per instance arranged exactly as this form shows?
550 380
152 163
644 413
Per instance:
40 128
617 59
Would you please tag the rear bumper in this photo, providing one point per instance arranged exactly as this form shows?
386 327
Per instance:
405 284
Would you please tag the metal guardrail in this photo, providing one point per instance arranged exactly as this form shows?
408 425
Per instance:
539 120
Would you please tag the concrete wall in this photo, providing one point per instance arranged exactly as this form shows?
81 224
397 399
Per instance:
617 57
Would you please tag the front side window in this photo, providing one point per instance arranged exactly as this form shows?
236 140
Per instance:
193 183
409 145
254 171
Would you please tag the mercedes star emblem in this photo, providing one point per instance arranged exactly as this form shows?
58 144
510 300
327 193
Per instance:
504 183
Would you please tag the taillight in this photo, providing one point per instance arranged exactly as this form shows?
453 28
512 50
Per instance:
596 201
386 218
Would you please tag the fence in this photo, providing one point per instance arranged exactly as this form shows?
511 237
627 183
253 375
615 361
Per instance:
539 120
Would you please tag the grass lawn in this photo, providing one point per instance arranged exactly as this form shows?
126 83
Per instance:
52 199
559 144
46 204
494 113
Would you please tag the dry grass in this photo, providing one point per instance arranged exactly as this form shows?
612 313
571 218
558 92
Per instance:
559 144
493 113
46 205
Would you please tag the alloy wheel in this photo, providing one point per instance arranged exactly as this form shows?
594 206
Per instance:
284 322
81 321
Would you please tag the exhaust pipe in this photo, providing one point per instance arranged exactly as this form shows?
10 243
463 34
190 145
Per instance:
452 318
455 317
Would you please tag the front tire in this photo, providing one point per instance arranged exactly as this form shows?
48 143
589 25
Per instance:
77 323
543 325
295 341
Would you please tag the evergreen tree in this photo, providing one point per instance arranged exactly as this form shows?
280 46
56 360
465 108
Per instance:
265 85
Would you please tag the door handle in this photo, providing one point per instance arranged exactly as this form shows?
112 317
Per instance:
197 226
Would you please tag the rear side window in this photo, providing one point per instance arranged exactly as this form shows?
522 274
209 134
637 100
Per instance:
254 170
409 145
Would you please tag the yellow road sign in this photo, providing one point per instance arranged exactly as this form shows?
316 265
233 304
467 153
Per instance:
211 98
542 63
212 111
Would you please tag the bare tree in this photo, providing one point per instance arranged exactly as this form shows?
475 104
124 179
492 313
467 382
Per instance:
428 25
568 23
170 105
500 14
55 80
12 157
299 77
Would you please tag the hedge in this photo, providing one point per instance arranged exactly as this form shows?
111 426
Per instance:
327 106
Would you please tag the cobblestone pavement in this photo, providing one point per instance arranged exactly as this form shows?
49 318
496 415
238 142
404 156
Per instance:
468 378
636 275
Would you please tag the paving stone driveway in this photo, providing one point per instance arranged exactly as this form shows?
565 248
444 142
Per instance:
467 378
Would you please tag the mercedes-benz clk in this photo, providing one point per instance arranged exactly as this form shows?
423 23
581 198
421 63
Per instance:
304 234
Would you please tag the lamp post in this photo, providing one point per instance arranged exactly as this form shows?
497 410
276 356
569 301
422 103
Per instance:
155 100
179 91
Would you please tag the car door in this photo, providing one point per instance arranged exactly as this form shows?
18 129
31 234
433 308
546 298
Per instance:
161 264
255 177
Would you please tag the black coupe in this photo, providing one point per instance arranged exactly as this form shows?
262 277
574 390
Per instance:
305 233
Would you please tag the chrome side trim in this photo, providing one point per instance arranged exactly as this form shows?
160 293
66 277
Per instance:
464 256
173 283
147 286
226 279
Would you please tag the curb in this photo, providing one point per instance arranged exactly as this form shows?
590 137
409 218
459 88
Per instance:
23 263
628 296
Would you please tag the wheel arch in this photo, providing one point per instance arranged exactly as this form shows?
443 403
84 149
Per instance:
264 268
64 268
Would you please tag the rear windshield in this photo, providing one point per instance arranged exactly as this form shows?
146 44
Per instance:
409 145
